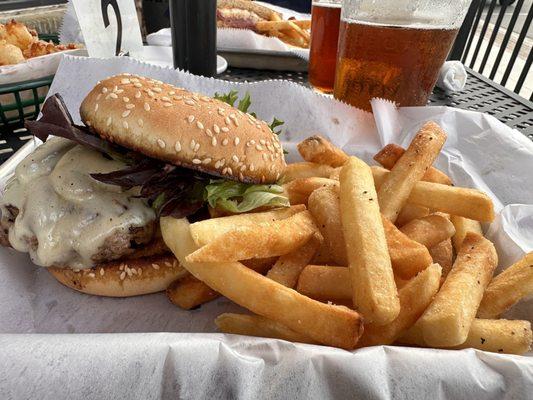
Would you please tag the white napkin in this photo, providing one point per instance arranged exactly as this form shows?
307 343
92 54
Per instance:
452 76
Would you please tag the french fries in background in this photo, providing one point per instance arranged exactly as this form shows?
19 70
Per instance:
404 281
291 31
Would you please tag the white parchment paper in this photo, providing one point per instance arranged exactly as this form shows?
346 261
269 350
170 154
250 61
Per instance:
56 343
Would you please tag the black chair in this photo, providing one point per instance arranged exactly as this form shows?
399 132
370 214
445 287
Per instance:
468 52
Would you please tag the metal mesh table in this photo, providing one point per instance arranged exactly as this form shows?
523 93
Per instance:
480 94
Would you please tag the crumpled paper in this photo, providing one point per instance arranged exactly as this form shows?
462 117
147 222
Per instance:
229 39
126 355
452 76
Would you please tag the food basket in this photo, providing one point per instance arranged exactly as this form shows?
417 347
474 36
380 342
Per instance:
21 100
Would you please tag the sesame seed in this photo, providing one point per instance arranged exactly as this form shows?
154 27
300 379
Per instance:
195 97
161 143
199 125
140 122
125 99
121 267
155 266
137 85
123 275
237 141
221 111
130 106
190 103
262 141
214 141
235 158
115 88
126 74
113 95
216 128
206 161
227 120
102 272
259 147
165 98
109 120
196 161
146 107
278 175
178 98
222 162
193 143
197 147
243 168
241 176
167 104
96 107
126 113
119 91
224 129
272 158
125 81
224 171
104 90
157 89
91 275
171 93
206 99
190 118
218 164
167 264
252 168
230 172
128 271
133 271
138 94
225 142
150 93
209 133
177 146
265 156
125 124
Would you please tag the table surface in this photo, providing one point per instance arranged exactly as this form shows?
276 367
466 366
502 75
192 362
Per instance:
480 94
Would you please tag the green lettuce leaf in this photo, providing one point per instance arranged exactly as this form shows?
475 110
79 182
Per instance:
239 197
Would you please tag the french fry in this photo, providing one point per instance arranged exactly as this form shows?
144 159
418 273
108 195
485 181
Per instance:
189 293
321 151
299 190
469 203
415 296
409 169
442 254
447 320
266 239
324 206
430 230
408 257
325 283
462 227
332 325
374 290
289 266
410 212
494 335
391 153
206 231
255 325
306 170
323 256
279 25
507 288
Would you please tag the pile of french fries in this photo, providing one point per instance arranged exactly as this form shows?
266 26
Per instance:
291 31
364 256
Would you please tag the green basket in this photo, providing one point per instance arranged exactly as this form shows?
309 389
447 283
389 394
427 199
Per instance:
21 100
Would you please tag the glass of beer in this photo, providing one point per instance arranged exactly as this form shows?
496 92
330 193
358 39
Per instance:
394 49
325 20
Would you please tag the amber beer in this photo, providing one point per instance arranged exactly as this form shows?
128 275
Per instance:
398 63
325 22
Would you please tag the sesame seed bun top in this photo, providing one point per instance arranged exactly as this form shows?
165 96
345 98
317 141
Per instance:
183 128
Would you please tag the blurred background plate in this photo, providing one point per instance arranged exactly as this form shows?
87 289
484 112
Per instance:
162 56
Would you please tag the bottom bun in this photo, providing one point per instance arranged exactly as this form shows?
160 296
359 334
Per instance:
123 278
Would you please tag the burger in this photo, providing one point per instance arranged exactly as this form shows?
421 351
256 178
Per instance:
86 203
243 14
